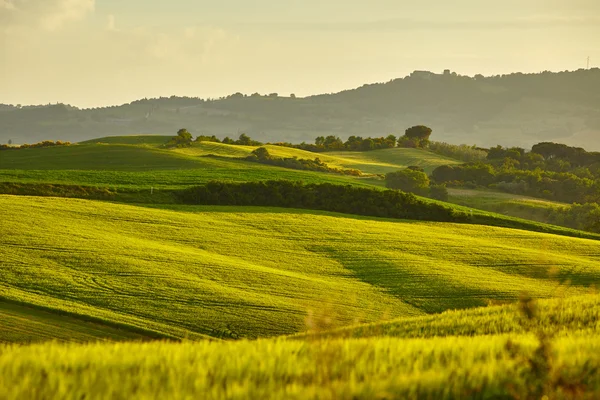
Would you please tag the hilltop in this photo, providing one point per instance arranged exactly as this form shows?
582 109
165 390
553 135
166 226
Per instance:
521 109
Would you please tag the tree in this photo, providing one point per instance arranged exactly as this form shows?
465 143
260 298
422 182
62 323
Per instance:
246 140
183 139
438 192
419 134
9 141
408 180
261 153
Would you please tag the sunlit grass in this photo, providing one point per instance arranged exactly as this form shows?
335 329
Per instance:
251 272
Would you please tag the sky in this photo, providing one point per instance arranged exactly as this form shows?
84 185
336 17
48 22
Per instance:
91 53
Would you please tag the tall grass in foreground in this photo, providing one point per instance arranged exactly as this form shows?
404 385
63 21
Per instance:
375 368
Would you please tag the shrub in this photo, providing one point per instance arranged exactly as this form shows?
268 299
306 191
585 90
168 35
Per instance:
408 180
438 192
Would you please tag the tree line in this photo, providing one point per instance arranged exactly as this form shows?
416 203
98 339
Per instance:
45 143
550 170
327 197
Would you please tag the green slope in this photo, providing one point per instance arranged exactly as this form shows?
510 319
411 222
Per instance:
150 140
489 367
21 324
371 162
558 315
505 203
129 166
248 272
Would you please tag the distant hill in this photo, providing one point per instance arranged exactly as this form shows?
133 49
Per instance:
516 109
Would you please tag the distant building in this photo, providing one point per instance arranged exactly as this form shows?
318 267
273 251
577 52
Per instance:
422 74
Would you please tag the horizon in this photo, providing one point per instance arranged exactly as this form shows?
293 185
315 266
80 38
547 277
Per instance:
284 95
92 53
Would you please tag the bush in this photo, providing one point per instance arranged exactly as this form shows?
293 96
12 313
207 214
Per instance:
408 180
438 192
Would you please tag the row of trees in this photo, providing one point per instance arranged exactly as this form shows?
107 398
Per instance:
184 139
416 136
550 170
328 197
559 186
45 143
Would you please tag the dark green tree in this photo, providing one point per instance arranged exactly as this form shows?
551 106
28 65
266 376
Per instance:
183 139
408 180
419 134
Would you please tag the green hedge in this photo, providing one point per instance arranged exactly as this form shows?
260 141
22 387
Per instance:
328 197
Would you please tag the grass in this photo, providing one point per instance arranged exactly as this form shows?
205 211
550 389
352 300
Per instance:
144 174
127 166
21 323
374 368
232 272
371 162
149 140
561 315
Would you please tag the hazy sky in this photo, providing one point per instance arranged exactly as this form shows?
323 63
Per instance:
100 52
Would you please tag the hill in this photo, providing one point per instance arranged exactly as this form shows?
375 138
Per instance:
522 109
250 272
371 162
372 367
141 166
559 315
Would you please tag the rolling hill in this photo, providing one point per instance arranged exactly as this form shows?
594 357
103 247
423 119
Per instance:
375 366
370 162
233 272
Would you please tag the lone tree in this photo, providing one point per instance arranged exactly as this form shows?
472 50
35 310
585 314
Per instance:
415 136
183 139
408 180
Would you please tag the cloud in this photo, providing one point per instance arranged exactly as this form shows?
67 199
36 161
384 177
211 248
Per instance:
111 24
411 24
7 5
49 15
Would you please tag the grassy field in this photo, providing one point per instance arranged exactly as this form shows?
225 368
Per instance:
23 324
487 367
149 140
139 167
253 272
559 315
503 203
370 162
342 306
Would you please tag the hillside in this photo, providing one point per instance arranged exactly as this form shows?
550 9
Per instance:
501 366
516 109
559 315
140 166
370 162
248 272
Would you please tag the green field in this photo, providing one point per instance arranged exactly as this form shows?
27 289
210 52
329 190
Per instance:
485 367
149 140
370 162
482 353
23 324
341 306
140 167
255 272
559 315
